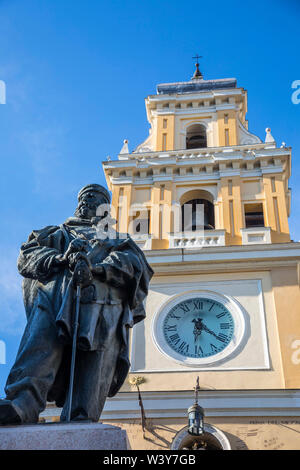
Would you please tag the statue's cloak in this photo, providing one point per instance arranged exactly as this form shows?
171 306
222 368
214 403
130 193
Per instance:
49 287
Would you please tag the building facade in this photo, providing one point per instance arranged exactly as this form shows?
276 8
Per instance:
224 302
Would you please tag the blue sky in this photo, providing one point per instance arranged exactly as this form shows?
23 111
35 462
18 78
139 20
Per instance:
76 75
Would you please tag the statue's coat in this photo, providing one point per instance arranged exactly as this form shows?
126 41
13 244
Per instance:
112 305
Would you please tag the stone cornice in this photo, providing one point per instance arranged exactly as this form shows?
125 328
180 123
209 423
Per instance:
211 154
191 166
217 403
224 258
198 95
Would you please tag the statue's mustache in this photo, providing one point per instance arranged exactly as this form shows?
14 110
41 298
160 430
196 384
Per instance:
87 206
83 207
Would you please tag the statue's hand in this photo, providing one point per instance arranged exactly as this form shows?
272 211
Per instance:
78 245
74 258
82 274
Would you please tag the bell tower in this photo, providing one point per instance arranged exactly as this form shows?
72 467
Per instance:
224 300
199 148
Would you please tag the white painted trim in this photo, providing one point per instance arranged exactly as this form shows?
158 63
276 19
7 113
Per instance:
254 150
216 403
197 238
271 169
189 111
205 94
263 324
246 137
256 235
226 254
238 152
216 175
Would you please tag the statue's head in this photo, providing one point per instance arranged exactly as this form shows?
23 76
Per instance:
90 198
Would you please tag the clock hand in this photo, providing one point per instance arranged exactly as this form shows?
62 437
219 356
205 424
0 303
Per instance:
210 331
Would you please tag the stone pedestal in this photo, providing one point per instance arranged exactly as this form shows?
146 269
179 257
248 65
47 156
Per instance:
59 436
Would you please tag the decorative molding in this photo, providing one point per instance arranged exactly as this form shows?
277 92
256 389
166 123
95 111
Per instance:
255 235
270 254
257 150
245 137
215 176
216 403
197 239
146 145
205 94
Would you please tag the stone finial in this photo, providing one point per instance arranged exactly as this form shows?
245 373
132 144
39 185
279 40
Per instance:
124 149
269 138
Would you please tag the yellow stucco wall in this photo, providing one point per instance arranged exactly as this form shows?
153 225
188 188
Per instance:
231 209
286 293
231 127
165 125
243 433
276 209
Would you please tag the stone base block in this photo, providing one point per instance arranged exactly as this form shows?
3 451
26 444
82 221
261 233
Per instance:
63 436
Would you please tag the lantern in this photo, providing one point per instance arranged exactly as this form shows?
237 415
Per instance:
196 415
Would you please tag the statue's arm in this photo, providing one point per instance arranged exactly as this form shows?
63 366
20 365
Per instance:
42 255
118 269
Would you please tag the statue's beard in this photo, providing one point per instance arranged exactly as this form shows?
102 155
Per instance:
86 211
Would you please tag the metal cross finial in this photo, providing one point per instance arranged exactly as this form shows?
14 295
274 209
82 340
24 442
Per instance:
197 75
198 57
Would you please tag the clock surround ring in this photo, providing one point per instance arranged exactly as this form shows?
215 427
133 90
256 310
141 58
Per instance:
229 303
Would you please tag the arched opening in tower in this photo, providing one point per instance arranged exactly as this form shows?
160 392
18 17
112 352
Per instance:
197 214
196 137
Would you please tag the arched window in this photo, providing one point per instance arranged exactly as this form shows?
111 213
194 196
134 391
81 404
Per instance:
191 213
196 137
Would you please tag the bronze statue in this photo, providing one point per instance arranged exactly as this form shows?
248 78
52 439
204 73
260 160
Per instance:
110 276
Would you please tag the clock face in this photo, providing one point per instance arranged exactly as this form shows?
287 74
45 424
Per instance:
198 327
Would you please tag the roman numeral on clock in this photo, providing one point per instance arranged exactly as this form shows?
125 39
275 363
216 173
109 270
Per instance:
171 327
174 316
221 314
175 338
198 350
224 326
222 337
183 347
198 304
184 307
